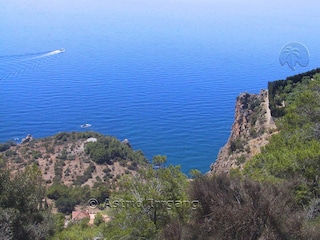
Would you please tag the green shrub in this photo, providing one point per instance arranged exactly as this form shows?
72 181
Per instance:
237 144
5 146
65 204
98 219
10 153
63 156
18 159
36 154
241 159
253 132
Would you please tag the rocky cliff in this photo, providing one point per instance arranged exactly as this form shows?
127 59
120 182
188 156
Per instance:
251 130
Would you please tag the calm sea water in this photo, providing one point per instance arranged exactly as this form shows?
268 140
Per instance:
165 75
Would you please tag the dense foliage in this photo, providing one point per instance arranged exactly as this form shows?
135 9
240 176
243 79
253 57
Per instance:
148 202
67 197
294 153
23 211
148 205
234 208
283 92
276 196
109 149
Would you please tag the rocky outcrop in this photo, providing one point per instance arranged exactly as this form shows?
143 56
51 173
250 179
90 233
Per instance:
126 142
28 138
251 130
92 139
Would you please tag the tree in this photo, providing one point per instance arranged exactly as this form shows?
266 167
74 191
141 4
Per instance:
159 160
57 190
147 202
234 208
98 219
23 212
7 219
195 173
65 204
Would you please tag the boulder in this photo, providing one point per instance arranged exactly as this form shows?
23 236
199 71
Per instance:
92 139
126 142
28 138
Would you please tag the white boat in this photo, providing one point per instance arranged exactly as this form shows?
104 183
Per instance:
86 125
62 50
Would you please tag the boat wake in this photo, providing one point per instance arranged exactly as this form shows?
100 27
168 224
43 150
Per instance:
48 54
13 65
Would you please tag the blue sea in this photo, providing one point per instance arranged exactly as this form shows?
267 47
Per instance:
163 74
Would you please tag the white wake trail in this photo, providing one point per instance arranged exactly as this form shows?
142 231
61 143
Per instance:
14 65
46 54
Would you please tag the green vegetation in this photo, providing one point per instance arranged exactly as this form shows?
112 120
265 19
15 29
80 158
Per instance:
67 197
284 92
275 196
236 145
5 146
58 170
86 175
194 173
240 160
79 231
147 202
23 213
146 206
159 161
108 149
235 208
294 153
63 137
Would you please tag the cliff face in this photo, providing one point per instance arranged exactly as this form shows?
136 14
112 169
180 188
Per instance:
251 130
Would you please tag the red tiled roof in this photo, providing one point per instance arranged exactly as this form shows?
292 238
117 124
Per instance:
79 215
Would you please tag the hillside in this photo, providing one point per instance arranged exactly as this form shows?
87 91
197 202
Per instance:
264 185
255 117
75 158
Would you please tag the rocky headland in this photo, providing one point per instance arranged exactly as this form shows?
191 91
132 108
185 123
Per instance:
253 125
